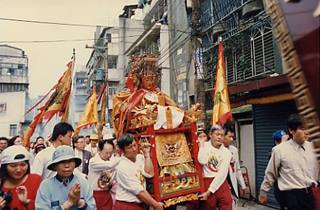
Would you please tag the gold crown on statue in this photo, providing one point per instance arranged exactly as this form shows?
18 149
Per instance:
143 66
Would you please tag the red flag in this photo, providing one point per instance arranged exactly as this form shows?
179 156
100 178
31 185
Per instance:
56 104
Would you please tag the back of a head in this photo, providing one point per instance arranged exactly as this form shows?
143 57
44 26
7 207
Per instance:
61 128
228 128
125 140
12 140
294 122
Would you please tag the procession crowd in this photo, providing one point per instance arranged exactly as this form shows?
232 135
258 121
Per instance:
86 172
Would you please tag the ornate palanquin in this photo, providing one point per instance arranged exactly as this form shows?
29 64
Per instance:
178 174
154 118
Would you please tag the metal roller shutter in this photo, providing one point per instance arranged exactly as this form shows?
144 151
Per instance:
267 119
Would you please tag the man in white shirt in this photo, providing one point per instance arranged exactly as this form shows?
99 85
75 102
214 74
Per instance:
93 146
131 172
215 160
84 155
294 166
235 174
101 174
61 135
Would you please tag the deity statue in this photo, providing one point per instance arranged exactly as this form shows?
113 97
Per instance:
143 104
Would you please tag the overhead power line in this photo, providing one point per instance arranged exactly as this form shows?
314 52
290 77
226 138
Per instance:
61 40
50 23
73 24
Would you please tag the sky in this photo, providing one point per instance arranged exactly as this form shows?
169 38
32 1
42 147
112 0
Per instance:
47 60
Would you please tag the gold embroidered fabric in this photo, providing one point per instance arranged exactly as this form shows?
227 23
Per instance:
180 184
105 180
180 199
177 170
172 149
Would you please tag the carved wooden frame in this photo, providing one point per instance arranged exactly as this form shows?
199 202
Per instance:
295 73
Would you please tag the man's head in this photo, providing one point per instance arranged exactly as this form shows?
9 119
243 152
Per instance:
16 140
128 146
3 143
202 135
62 133
79 143
106 148
94 139
87 139
216 135
38 147
39 140
228 135
296 129
64 161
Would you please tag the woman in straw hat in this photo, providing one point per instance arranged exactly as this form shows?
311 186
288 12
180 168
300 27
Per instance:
66 190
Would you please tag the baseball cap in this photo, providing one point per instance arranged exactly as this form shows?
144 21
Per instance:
278 135
14 154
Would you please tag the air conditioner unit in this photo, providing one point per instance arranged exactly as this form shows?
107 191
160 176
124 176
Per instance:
100 75
252 8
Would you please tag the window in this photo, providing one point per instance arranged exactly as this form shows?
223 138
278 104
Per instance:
112 61
112 89
11 71
20 66
13 130
3 107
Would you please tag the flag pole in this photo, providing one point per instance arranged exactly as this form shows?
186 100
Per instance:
221 112
65 115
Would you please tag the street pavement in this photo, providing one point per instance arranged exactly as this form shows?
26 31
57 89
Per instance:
243 205
251 205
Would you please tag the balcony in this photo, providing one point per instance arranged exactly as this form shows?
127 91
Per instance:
249 55
13 79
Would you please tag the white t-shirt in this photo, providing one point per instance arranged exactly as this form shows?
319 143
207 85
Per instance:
79 154
41 161
130 179
97 167
215 163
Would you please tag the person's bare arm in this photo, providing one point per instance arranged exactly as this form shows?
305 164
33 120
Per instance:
148 165
148 199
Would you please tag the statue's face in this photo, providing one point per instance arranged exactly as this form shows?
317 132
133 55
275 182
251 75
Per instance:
149 81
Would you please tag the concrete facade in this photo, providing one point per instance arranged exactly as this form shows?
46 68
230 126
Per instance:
14 83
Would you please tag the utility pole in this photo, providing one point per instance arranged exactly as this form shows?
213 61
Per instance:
102 51
195 45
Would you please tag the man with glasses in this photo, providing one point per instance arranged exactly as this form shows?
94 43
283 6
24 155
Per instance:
215 160
93 146
80 152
